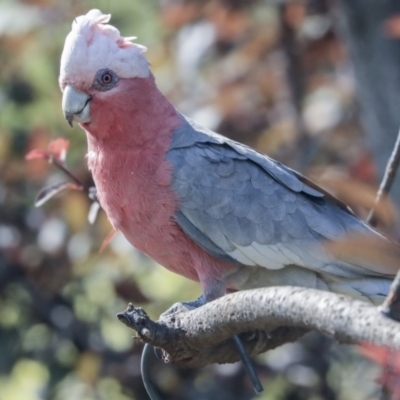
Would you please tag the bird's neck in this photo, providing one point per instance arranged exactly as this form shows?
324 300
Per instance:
137 116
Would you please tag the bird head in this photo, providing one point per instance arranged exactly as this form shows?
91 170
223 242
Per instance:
94 64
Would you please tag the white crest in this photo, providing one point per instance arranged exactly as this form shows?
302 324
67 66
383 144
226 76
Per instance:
92 45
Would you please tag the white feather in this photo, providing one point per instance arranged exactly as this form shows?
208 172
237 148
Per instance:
293 257
239 256
93 45
265 256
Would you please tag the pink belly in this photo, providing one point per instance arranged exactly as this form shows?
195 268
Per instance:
140 202
166 244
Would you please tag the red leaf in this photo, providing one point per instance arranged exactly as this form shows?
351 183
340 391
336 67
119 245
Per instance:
379 354
107 240
389 360
58 148
36 153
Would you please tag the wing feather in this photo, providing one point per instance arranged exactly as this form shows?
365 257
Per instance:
242 206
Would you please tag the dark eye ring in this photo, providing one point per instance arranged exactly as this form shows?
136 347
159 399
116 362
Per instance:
106 78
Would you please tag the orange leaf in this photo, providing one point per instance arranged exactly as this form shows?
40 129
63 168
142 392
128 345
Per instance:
58 148
36 153
384 356
379 354
107 240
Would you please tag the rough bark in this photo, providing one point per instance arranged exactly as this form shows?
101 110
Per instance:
265 318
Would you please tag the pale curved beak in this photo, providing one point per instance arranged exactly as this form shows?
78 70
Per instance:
76 105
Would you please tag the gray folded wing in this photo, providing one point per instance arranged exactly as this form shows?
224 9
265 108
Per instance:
242 206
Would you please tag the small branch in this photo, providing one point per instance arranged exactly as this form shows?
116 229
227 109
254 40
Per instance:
89 190
388 179
391 305
60 165
264 319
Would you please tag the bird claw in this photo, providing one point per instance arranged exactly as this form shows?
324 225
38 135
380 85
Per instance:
191 305
184 306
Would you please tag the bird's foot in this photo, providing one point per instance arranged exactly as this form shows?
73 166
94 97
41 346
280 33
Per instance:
184 306
177 308
191 305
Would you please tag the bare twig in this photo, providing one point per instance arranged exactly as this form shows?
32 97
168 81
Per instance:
388 179
62 167
391 305
145 371
264 318
89 190
247 364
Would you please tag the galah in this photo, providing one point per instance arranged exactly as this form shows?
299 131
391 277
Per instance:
201 205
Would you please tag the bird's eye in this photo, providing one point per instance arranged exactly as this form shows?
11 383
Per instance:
106 78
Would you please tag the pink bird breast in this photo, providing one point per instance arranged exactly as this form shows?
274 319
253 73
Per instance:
133 180
128 136
138 142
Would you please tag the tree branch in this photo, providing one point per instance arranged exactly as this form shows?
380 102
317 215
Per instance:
391 305
265 318
388 179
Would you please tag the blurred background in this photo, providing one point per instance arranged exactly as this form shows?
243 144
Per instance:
314 84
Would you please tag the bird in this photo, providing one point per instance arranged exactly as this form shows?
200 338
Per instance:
201 205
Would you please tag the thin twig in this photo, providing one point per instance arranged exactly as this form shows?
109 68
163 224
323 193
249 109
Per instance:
89 190
146 375
391 305
60 165
247 364
388 179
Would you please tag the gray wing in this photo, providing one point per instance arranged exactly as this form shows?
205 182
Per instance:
242 206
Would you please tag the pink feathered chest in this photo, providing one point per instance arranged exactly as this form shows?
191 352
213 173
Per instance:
136 195
134 190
